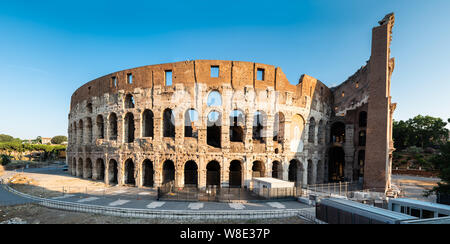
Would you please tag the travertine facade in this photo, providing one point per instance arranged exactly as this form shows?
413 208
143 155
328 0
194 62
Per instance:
212 122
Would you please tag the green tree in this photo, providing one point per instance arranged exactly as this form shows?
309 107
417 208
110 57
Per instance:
4 159
441 162
59 139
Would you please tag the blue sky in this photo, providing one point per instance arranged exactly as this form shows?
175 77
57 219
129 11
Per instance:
50 48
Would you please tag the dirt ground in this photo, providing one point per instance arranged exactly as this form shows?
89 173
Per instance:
35 214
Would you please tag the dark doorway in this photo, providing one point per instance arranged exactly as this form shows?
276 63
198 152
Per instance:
237 123
258 169
277 170
88 169
129 173
235 174
214 130
147 123
336 164
338 133
129 128
213 174
168 171
100 169
169 123
113 172
148 173
190 174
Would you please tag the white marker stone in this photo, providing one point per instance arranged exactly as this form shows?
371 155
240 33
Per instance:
89 199
196 206
62 197
236 205
144 193
276 205
119 192
156 204
118 203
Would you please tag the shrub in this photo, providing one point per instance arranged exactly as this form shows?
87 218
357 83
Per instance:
4 159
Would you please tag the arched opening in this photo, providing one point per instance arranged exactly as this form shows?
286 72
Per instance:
147 168
190 174
129 101
81 131
338 133
259 126
278 127
169 123
277 170
74 135
89 130
113 172
100 168
168 171
258 169
320 172
296 133
213 132
321 133
100 127
237 123
113 127
336 165
89 107
363 119
310 178
214 99
361 163
362 138
312 130
87 172
295 172
235 174
129 172
147 123
129 128
213 174
190 121
80 167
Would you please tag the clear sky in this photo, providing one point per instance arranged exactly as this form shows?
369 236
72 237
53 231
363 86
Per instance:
50 48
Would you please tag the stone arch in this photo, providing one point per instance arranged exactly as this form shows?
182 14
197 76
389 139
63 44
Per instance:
295 172
100 127
320 172
278 127
213 173
100 169
129 172
168 123
190 174
80 167
113 172
321 133
258 169
113 126
214 129
259 126
89 108
129 128
129 101
310 175
237 125
214 99
236 176
148 173
74 135
311 130
147 123
89 128
277 170
81 131
296 133
168 171
87 169
191 123
336 164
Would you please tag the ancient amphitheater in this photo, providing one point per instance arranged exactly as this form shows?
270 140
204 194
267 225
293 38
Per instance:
212 122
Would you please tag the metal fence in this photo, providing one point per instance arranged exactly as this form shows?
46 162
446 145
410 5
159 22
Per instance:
168 192
336 188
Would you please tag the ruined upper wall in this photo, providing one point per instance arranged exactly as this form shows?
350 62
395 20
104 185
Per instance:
238 74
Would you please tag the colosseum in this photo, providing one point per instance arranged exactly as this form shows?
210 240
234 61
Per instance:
222 123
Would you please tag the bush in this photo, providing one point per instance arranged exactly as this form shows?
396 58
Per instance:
59 139
4 159
414 149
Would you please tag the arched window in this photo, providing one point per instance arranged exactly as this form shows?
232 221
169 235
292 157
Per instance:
169 123
213 132
113 172
74 135
237 124
213 174
321 133
278 127
147 169
129 128
129 101
259 126
258 169
190 174
363 119
190 121
147 123
81 131
100 127
129 172
338 133
89 130
312 130
362 138
113 127
89 107
235 176
214 99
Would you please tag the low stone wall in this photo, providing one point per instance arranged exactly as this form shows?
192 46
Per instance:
415 172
